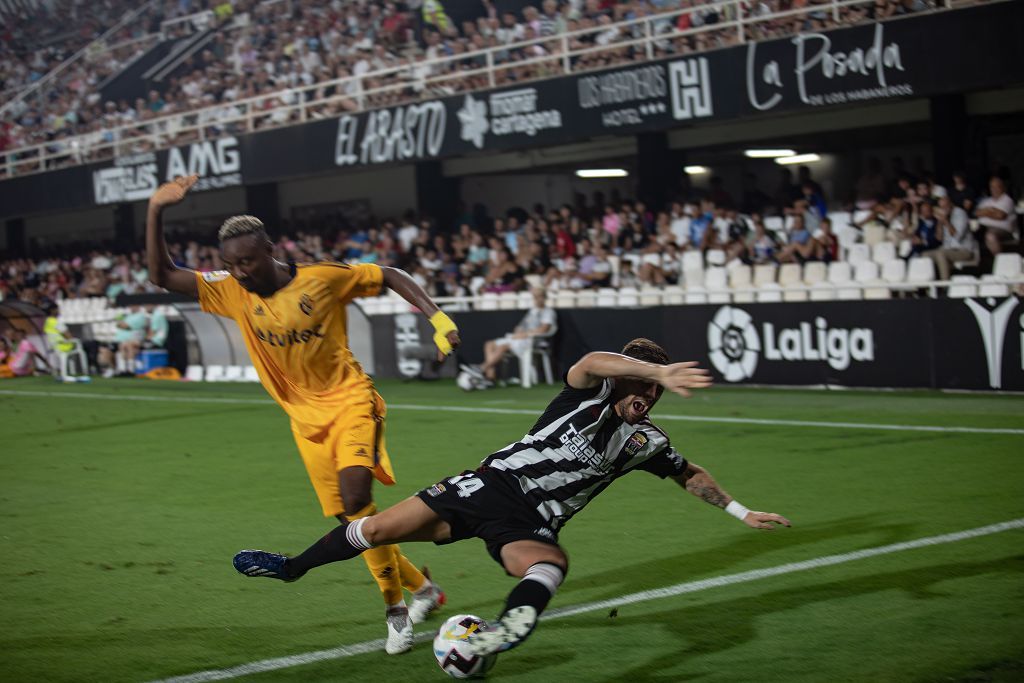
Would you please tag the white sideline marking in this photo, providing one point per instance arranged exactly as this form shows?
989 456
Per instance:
643 596
533 412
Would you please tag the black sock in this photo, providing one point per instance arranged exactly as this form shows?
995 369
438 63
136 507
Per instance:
343 543
536 588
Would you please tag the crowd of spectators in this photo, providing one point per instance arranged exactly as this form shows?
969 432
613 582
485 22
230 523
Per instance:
573 246
267 49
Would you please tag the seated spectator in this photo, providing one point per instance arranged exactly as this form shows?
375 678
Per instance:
958 243
826 244
996 215
627 276
761 246
539 321
156 331
801 247
58 335
595 267
119 357
504 275
701 235
22 360
925 235
962 194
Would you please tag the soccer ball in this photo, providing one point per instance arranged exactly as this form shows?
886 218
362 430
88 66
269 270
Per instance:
450 648
468 381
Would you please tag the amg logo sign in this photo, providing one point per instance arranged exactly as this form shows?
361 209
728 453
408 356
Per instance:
216 162
135 177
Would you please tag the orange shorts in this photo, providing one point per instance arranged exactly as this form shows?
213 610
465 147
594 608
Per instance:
354 439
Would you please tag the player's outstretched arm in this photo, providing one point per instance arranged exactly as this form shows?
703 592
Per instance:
162 271
679 378
446 334
700 483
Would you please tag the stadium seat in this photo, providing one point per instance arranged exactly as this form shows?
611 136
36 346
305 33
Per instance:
696 295
628 297
587 298
651 296
741 278
234 373
874 234
815 272
215 373
859 253
1007 266
716 282
963 287
989 288
921 270
692 260
839 272
715 257
694 277
487 302
894 271
867 273
849 293
250 374
790 274
904 248
524 300
508 301
673 296
565 298
194 373
769 292
764 274
883 252
606 297
823 291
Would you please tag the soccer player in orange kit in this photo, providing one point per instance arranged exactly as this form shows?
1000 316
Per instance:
292 318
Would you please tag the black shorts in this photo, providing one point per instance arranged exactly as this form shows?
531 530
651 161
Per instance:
481 505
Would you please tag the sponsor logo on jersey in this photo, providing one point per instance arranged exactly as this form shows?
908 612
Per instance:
579 446
216 275
290 337
306 304
545 532
635 442
258 310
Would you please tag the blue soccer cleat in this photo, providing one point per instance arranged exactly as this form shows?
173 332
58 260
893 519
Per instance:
262 563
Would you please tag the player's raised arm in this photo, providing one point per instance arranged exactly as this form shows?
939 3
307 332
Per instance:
679 378
446 334
162 271
700 483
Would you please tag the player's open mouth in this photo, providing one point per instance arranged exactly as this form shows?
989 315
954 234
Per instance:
639 407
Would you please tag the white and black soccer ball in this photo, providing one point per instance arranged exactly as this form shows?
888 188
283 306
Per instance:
450 648
467 380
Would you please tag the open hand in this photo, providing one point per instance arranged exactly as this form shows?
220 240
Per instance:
760 520
680 377
173 192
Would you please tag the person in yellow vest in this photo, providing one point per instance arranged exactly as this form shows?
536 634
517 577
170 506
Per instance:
62 341
293 320
434 15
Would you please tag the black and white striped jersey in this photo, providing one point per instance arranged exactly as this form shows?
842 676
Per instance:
577 448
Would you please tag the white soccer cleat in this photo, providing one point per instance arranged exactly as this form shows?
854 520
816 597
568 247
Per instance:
399 631
426 604
509 631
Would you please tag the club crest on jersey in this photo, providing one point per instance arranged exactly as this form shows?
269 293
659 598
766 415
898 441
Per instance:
435 490
258 310
635 442
306 304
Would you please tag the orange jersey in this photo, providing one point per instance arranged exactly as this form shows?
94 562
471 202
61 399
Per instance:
298 338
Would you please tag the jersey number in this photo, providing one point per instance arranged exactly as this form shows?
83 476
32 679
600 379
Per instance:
467 483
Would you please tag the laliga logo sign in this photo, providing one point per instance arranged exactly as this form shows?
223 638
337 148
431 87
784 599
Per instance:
734 344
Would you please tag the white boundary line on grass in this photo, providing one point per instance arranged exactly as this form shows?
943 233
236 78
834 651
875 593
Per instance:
531 412
643 596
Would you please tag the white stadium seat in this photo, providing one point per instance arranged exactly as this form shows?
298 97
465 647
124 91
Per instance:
587 298
692 260
883 252
894 271
234 373
651 296
790 274
214 373
194 373
715 257
839 272
250 374
716 282
696 295
693 277
814 272
565 298
606 297
741 278
859 253
921 270
764 274
1007 265
989 288
823 291
769 293
673 296
963 287
629 297
508 301
873 234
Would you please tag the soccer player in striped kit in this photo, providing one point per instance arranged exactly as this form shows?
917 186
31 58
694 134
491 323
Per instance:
595 431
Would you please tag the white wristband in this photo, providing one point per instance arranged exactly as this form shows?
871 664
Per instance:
736 510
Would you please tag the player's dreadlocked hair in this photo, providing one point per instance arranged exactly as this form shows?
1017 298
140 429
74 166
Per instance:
237 226
646 350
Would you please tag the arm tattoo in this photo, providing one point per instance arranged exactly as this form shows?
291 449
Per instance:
705 488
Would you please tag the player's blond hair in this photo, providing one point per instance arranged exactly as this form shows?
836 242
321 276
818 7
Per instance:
238 226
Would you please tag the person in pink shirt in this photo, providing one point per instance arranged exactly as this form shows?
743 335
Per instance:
22 361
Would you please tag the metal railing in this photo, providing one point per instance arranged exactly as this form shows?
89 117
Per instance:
416 80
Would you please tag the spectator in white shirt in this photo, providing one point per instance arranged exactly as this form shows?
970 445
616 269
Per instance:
958 243
995 214
539 321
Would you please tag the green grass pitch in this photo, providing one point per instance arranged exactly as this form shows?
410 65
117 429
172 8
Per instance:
120 518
